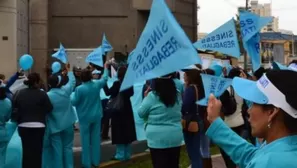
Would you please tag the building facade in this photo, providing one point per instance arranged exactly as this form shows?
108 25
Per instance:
79 24
265 11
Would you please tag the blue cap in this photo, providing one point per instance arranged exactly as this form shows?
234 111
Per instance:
263 91
248 90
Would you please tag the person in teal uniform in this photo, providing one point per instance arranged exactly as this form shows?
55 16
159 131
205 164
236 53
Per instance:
86 99
161 108
273 117
5 112
60 121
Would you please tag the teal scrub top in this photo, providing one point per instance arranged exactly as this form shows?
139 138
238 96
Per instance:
63 114
86 99
163 124
280 153
5 114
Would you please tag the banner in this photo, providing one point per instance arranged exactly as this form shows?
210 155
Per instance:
250 25
61 54
95 57
213 85
223 40
106 47
136 100
163 48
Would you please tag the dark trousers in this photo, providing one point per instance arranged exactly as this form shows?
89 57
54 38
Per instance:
163 158
192 141
105 121
228 162
32 142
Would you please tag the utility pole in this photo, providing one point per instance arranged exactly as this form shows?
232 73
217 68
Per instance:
245 53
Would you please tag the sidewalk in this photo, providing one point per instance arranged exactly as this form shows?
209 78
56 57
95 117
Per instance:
217 162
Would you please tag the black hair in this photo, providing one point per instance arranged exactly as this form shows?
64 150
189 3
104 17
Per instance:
259 73
208 71
283 81
86 75
121 72
3 93
195 79
293 62
234 72
2 77
165 88
55 82
33 80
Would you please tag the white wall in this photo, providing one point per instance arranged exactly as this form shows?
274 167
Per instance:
8 28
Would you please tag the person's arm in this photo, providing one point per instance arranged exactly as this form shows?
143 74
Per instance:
145 106
189 101
75 97
70 84
239 150
12 79
103 81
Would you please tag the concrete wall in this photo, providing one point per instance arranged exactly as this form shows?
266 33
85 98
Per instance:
122 21
84 28
8 29
22 27
38 34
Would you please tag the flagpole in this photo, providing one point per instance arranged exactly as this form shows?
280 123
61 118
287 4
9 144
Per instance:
245 53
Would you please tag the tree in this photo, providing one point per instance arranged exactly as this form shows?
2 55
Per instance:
239 37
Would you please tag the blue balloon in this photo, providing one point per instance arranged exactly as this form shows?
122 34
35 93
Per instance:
56 67
26 62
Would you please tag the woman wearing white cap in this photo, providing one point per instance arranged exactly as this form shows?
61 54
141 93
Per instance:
273 116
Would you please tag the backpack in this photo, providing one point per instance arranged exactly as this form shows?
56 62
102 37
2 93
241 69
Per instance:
229 104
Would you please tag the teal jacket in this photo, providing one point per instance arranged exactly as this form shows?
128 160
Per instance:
62 115
5 113
86 99
280 153
163 125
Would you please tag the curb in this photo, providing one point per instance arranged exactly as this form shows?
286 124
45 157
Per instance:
136 157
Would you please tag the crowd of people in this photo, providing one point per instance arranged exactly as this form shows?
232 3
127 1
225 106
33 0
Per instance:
253 126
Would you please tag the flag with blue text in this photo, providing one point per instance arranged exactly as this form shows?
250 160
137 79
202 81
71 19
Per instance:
163 47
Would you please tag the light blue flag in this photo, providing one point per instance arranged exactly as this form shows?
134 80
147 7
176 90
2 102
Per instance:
61 54
95 57
215 85
252 47
251 24
163 48
106 47
136 100
223 40
130 56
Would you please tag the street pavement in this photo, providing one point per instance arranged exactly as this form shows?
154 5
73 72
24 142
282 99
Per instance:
107 149
217 162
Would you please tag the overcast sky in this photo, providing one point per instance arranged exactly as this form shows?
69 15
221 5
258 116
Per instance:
214 13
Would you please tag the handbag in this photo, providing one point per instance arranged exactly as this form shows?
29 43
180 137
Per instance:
115 105
190 121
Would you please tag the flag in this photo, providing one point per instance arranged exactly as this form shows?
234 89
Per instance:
223 40
213 85
106 47
61 54
95 57
163 48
